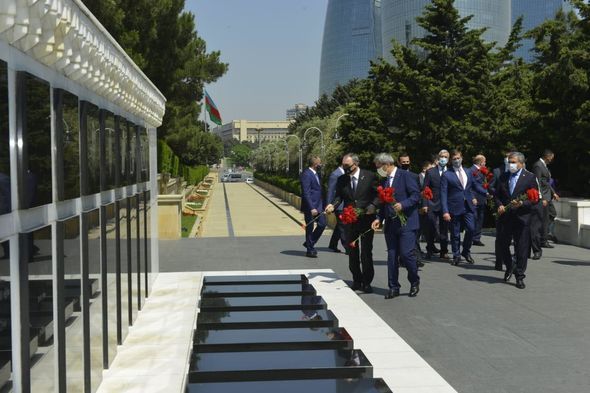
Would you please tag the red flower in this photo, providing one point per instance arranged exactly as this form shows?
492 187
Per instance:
532 195
489 176
486 186
352 244
475 173
427 193
386 194
485 171
349 215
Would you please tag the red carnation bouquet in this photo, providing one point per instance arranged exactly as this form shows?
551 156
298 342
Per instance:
386 196
487 176
350 214
427 193
532 195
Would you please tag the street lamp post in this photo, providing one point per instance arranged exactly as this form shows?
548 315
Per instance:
336 135
321 138
300 150
258 131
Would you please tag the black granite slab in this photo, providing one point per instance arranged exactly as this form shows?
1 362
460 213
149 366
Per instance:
271 339
365 385
6 341
42 324
5 359
256 279
265 319
257 290
262 303
278 365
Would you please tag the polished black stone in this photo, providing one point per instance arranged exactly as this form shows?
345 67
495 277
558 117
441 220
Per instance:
277 365
265 319
262 303
257 290
271 339
255 279
5 359
367 385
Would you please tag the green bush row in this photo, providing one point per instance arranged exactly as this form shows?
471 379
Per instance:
168 162
284 183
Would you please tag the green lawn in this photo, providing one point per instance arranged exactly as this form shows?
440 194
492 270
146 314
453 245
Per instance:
187 223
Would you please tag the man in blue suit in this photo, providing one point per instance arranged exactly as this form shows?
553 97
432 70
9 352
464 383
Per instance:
400 240
480 194
437 228
312 204
458 206
338 233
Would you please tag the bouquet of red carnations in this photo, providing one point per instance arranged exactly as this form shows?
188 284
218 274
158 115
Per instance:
386 196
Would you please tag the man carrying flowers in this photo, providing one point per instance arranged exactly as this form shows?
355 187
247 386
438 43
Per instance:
399 195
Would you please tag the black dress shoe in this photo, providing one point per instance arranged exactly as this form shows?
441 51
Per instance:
498 268
468 258
435 250
444 255
478 243
547 245
335 249
420 263
414 290
520 284
368 289
507 275
537 256
456 261
356 286
392 293
311 254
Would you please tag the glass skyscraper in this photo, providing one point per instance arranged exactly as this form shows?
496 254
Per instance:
399 20
352 38
534 13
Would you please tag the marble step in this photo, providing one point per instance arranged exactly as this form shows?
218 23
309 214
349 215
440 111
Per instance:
244 290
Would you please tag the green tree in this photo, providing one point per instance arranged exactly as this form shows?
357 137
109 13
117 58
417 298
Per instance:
240 154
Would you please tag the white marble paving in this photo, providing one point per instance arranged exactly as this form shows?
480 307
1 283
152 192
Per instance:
154 357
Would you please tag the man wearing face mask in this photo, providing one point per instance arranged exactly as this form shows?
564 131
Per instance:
515 215
540 233
437 227
498 172
400 239
358 188
458 206
481 194
312 205
404 163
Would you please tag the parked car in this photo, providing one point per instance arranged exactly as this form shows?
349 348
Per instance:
235 177
225 178
250 180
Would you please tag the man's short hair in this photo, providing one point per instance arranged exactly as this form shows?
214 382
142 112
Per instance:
443 151
403 154
353 157
547 153
312 159
518 155
426 164
478 159
454 152
384 158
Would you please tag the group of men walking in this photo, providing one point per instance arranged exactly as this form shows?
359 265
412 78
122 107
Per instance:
445 200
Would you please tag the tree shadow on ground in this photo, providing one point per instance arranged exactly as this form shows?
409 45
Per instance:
481 278
573 263
294 253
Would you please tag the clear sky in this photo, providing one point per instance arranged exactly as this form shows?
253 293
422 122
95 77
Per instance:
273 49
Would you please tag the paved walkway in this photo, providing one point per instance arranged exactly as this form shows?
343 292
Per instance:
478 333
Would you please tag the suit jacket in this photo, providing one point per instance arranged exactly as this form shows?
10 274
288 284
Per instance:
494 183
503 196
543 175
452 195
432 180
311 191
479 192
407 193
365 196
332 180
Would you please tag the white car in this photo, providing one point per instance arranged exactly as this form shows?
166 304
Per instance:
250 180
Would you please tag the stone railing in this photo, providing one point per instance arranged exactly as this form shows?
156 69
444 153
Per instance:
572 225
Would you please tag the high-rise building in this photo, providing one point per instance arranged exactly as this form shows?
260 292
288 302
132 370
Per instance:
352 38
534 13
399 20
293 112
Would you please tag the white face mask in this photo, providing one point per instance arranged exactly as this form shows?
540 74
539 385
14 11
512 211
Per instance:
513 167
382 172
443 161
457 163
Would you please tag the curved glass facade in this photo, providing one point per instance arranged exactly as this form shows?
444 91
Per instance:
399 20
352 38
535 12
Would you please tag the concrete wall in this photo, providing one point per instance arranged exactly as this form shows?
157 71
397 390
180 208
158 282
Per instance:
572 225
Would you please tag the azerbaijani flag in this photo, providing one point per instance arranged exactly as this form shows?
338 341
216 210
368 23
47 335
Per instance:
214 114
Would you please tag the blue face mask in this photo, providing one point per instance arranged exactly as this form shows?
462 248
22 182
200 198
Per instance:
443 161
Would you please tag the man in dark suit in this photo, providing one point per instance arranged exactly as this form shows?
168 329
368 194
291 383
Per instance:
437 227
358 188
400 239
515 215
312 205
480 194
338 233
404 163
458 206
498 172
540 235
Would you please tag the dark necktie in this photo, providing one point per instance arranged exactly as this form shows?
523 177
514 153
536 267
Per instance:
353 184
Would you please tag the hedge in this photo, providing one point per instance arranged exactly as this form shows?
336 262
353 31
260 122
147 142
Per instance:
285 183
168 162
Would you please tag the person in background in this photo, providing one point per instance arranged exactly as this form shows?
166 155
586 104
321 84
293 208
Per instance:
480 194
338 233
312 205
